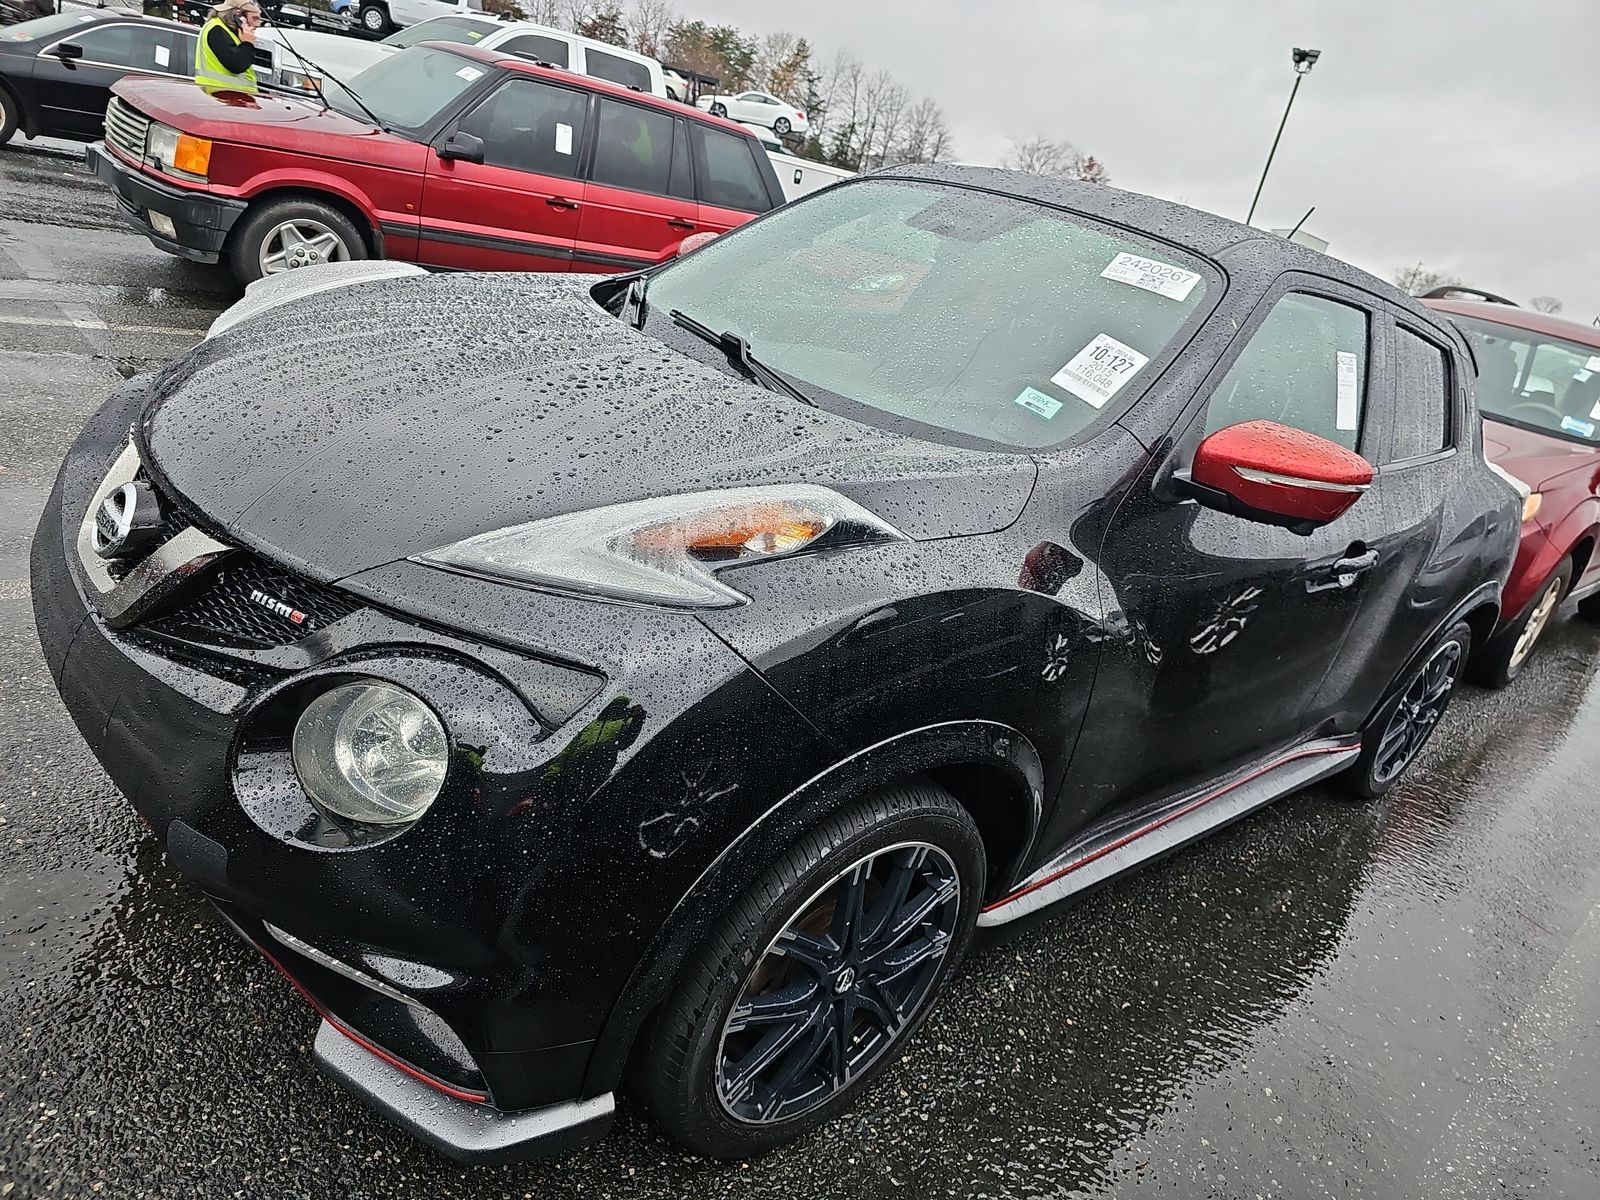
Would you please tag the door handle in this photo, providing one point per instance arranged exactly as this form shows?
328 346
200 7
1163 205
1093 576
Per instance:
1343 571
677 223
1356 564
561 202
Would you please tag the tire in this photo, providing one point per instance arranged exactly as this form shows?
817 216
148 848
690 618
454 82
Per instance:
1505 654
374 20
9 116
719 110
263 231
781 127
1412 712
689 1072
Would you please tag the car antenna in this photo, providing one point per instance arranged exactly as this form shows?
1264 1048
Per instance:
326 74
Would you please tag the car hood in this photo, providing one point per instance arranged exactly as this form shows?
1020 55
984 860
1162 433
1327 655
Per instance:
365 425
1535 458
265 119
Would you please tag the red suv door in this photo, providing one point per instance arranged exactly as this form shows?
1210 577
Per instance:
732 187
639 200
517 210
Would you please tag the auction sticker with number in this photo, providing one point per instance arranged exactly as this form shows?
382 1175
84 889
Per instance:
1098 371
1152 275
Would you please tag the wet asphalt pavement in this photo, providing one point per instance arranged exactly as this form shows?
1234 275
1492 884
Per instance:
1326 1000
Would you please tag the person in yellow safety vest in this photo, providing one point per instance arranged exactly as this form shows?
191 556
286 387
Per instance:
225 55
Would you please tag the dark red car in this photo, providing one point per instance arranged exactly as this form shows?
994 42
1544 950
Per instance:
1539 391
449 156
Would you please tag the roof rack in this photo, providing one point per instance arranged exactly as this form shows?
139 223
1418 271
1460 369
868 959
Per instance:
1456 291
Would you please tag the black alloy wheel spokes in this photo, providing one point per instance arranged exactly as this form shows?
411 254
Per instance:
839 983
1419 711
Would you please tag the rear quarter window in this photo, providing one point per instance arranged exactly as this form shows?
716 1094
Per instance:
610 67
729 176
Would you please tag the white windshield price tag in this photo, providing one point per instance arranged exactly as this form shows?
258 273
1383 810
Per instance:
1593 364
1163 279
563 138
468 73
1594 413
1348 415
1098 371
1035 401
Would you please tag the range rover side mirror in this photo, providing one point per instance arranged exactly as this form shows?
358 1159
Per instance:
467 147
68 52
1275 474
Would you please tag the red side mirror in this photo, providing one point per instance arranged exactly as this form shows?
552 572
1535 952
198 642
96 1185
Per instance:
1268 472
694 241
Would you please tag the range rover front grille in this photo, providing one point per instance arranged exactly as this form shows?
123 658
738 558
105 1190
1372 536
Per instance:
126 128
251 604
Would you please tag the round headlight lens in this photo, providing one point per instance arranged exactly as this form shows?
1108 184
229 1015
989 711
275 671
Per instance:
371 752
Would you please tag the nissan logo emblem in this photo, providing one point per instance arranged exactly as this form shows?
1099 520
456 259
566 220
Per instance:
126 519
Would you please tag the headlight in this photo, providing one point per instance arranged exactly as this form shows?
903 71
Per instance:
370 752
666 551
1531 500
178 153
299 80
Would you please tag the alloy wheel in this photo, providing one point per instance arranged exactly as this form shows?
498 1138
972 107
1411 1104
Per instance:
1537 620
844 977
372 20
719 110
302 242
781 126
1418 712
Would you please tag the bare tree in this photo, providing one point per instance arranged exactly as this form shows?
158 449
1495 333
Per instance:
1419 279
649 21
927 136
1039 155
545 12
1547 304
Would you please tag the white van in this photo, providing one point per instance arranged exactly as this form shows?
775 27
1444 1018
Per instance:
300 56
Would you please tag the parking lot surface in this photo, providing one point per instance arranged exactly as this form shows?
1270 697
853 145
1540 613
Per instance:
1328 999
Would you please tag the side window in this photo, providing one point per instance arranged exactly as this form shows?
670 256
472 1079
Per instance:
137 47
634 148
530 126
610 67
1305 366
537 47
1421 397
729 177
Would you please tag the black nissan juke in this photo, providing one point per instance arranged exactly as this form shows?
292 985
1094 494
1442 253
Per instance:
658 683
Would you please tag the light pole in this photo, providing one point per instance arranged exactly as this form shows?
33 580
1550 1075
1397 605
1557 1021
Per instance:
1304 60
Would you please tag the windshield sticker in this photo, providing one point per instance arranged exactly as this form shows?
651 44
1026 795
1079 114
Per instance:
474 34
1578 426
1098 371
1593 364
1348 415
1152 275
163 56
563 138
1594 413
1035 401
468 73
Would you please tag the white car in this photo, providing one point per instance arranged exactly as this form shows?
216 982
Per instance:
758 108
378 17
299 56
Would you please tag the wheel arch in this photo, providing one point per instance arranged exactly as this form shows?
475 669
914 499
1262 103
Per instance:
992 770
325 192
27 119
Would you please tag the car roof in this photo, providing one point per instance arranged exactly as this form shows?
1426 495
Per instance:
1527 319
499 58
104 16
1206 234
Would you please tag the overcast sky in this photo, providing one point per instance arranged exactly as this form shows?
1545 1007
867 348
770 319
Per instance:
1462 133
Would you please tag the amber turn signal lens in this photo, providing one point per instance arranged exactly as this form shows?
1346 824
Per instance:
192 155
1530 506
759 529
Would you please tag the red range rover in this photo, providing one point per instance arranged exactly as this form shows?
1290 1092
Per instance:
444 155
1539 391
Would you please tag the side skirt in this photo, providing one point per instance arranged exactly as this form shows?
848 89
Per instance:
1110 849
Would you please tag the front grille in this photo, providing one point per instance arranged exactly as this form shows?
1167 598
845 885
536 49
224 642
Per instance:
126 128
251 604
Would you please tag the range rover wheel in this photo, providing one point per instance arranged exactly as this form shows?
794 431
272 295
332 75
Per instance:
1505 654
374 20
286 235
816 977
1403 724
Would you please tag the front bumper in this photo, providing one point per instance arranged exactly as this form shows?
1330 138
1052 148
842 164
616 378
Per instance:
200 221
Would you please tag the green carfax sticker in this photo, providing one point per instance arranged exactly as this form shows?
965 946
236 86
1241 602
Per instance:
1036 401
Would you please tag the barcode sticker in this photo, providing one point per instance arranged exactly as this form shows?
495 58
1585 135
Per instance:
1098 371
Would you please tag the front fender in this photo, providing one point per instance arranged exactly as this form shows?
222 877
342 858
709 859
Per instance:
1008 754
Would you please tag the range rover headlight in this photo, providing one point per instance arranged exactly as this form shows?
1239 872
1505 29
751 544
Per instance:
371 752
178 153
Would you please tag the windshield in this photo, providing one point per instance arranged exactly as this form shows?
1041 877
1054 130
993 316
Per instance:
466 30
407 90
43 27
1543 383
969 312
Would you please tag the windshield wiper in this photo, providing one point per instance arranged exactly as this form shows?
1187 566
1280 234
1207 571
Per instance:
326 74
738 351
637 286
